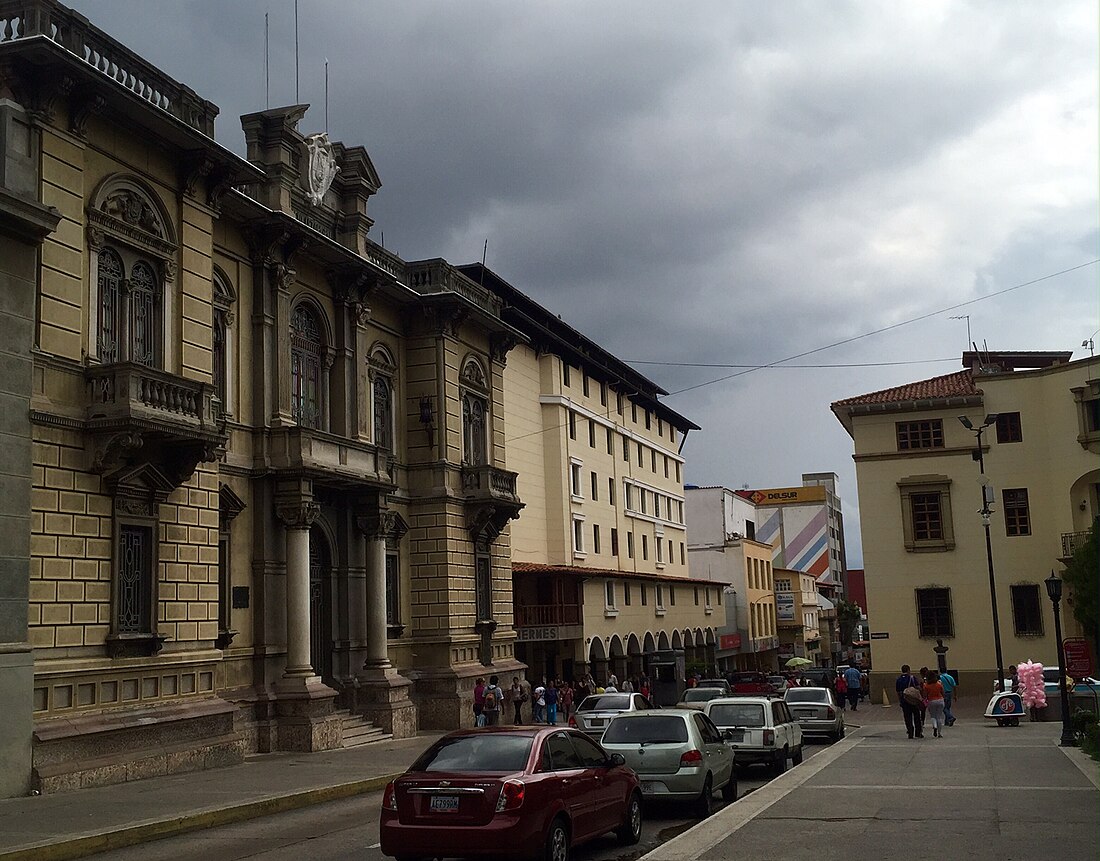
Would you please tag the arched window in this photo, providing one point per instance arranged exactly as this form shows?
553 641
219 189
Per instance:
129 309
475 415
383 373
383 412
144 314
305 367
110 277
223 320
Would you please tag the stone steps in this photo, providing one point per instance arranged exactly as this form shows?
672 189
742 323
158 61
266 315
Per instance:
357 731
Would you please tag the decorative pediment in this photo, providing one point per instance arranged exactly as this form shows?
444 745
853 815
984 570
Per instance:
229 504
124 207
141 481
473 375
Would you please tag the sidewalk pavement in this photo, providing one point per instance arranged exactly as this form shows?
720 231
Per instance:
980 792
76 824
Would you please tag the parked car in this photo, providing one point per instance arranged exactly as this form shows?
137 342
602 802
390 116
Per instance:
596 711
759 729
694 698
816 711
714 683
778 683
530 791
822 677
750 683
678 755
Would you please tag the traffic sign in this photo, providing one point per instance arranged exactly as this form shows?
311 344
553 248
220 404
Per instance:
1078 659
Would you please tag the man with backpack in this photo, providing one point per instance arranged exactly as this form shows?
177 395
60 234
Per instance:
493 698
908 688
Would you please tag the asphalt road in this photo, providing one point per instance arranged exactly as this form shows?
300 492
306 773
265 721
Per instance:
347 830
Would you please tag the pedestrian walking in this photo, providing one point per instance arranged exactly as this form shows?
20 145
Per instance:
854 682
910 698
493 700
933 695
518 699
949 685
628 686
538 704
565 701
479 702
841 692
552 704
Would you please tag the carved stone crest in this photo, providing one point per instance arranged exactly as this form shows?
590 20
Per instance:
322 167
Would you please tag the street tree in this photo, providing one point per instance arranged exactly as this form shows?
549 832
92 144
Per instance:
1082 576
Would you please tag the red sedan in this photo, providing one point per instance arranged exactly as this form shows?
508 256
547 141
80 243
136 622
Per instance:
509 792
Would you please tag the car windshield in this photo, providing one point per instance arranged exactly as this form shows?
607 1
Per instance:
777 680
748 678
701 695
807 695
485 752
737 714
1050 674
651 729
605 703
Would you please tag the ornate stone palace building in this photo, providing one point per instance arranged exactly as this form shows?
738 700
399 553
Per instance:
253 463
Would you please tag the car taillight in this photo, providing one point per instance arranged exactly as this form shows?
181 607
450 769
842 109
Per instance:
389 797
769 737
830 713
572 721
692 757
511 795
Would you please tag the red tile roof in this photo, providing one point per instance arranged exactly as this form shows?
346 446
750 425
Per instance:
959 384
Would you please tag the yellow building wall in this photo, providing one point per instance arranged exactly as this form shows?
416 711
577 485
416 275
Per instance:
1048 462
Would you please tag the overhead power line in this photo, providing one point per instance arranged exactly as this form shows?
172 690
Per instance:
885 328
781 367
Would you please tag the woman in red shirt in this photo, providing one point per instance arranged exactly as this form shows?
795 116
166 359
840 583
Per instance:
933 695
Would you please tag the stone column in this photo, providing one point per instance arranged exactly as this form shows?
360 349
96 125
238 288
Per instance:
298 517
384 693
375 530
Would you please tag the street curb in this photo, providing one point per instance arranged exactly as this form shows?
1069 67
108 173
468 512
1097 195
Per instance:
129 835
710 832
1085 763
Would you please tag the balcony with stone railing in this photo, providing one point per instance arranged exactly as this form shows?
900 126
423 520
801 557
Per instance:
488 483
329 459
27 19
438 276
134 410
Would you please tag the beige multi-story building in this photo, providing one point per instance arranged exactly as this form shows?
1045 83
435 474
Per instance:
798 616
254 463
919 488
599 556
721 547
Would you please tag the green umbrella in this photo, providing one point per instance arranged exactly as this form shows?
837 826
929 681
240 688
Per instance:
794 663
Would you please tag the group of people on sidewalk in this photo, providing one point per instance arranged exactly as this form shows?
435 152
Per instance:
925 697
550 700
850 687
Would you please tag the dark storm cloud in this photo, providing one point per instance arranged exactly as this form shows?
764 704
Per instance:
708 182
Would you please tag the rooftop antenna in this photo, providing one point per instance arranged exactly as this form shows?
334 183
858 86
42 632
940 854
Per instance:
484 254
297 98
1088 342
267 58
326 95
967 318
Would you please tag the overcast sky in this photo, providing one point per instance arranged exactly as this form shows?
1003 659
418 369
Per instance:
718 183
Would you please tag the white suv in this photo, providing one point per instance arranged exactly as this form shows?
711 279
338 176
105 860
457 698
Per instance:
759 729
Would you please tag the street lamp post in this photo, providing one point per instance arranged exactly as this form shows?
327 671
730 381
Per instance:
985 512
1054 591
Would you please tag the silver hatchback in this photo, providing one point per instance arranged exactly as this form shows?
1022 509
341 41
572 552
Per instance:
596 711
816 711
678 754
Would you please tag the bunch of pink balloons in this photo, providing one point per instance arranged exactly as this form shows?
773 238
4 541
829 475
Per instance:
1032 686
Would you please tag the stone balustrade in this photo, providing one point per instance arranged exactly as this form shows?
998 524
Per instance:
127 390
438 276
27 19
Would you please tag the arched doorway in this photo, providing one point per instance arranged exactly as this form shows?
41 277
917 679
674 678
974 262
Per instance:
320 603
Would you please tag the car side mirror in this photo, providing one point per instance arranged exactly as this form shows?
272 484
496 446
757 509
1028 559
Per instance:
617 759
